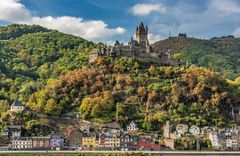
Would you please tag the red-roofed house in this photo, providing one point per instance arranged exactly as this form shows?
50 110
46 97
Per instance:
148 146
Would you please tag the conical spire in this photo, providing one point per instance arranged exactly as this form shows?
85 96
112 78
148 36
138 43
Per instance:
141 26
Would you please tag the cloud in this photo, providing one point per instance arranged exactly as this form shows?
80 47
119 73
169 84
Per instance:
237 32
143 9
203 20
226 6
92 29
14 11
153 38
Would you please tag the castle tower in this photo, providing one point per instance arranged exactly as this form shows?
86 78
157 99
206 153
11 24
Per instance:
142 34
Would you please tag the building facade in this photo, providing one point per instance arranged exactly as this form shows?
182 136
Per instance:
21 144
109 140
128 142
195 130
57 142
182 129
12 131
89 141
41 142
132 127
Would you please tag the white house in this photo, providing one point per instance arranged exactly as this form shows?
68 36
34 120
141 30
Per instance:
181 129
214 139
228 135
195 130
21 143
17 106
12 131
132 127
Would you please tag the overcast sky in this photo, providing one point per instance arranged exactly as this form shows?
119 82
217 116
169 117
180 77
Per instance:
108 20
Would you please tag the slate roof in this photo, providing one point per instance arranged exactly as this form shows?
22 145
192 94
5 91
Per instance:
17 103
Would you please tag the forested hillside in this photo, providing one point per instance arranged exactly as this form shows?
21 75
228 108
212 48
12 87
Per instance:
49 72
128 90
218 54
38 55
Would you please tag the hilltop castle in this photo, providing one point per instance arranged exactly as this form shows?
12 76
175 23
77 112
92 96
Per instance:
137 49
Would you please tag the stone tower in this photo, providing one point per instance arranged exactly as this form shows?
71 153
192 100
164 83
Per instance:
167 130
142 34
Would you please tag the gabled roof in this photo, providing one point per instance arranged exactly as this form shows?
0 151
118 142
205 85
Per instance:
17 103
12 127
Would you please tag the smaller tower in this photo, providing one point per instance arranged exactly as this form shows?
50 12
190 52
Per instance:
167 130
148 47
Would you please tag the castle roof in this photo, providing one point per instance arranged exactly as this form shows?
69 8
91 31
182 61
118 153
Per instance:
17 103
142 27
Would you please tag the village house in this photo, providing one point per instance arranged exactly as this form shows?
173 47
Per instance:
238 135
12 131
128 142
17 106
228 139
213 136
195 130
23 143
74 137
89 141
148 146
41 142
132 127
235 141
109 140
222 140
206 131
57 142
181 129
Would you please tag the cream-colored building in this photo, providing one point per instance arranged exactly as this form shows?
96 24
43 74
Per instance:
89 141
21 144
109 141
182 129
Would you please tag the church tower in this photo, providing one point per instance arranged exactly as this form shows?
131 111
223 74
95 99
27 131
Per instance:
142 34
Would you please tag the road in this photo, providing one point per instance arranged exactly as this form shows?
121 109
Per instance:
158 153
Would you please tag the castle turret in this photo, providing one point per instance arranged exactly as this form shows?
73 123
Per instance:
142 34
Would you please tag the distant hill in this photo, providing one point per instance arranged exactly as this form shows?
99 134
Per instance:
218 54
15 30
